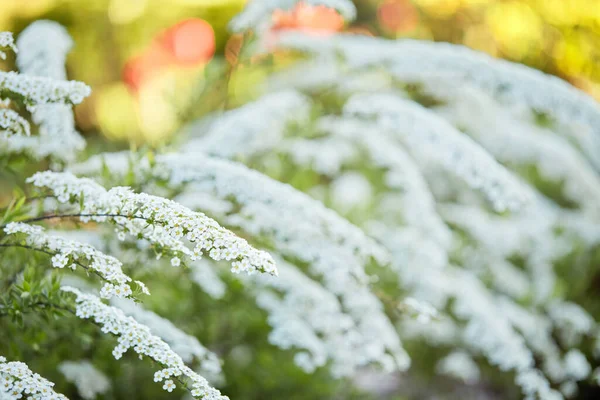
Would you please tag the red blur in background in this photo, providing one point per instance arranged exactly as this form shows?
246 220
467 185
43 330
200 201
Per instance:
308 18
188 43
398 15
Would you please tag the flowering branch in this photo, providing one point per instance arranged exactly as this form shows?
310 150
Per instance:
6 42
186 346
16 380
45 45
13 124
132 334
433 137
65 252
298 227
158 220
34 90
512 84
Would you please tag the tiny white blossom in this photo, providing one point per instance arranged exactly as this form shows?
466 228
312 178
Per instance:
169 386
156 219
186 346
64 250
133 335
13 124
17 379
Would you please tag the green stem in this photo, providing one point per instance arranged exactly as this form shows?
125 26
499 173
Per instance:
24 246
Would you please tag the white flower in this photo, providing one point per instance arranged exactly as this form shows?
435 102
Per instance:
18 379
515 85
158 220
143 287
175 261
205 276
89 381
6 41
251 133
433 138
37 90
304 229
64 250
186 346
576 365
519 142
459 365
13 124
44 46
59 260
423 311
169 386
133 335
305 315
159 376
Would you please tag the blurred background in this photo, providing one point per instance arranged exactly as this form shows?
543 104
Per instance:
153 65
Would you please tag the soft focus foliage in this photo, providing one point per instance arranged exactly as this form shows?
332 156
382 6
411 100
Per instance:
369 218
116 50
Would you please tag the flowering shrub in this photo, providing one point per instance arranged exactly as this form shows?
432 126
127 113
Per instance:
400 217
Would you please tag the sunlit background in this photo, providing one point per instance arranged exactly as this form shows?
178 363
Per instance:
154 64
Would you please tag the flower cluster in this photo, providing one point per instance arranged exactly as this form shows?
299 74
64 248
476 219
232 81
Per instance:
241 131
37 90
6 41
435 139
489 327
342 143
45 45
484 244
13 124
133 335
531 235
17 381
571 320
303 229
89 381
515 141
438 285
258 194
70 253
514 85
207 279
265 203
407 194
305 316
417 137
299 227
459 364
423 311
163 222
186 346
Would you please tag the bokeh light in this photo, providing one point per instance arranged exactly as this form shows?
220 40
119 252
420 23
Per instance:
308 18
398 15
128 50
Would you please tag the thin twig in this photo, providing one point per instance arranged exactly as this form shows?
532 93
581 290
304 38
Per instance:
24 246
78 215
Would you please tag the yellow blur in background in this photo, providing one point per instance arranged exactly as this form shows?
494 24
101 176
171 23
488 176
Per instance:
128 50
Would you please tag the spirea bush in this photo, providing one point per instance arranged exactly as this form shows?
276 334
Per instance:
387 219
